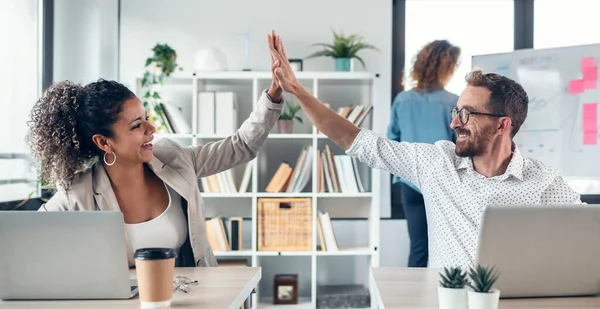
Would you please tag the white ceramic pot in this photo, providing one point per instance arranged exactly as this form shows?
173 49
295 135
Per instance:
452 298
484 300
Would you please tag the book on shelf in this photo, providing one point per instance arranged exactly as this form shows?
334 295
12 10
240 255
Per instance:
224 234
174 119
354 113
171 120
292 179
337 173
327 237
224 182
217 113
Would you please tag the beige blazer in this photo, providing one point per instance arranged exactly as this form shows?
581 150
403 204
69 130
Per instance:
180 168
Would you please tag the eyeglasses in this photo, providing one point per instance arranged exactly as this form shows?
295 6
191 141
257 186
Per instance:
464 115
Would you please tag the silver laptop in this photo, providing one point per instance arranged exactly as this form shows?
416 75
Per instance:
542 250
63 255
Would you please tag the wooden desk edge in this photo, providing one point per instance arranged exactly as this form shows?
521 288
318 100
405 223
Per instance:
247 290
373 283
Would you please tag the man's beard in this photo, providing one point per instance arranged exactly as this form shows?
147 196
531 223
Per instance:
475 144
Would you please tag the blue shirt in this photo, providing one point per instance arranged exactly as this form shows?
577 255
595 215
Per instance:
421 117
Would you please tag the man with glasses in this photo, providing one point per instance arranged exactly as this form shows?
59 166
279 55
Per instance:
483 168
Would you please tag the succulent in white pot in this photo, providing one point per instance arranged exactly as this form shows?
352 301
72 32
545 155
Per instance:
482 294
452 291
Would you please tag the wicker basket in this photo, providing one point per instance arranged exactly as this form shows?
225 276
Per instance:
284 224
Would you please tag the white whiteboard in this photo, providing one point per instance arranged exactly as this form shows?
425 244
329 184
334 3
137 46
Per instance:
561 128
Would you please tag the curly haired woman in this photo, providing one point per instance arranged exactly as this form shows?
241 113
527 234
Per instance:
154 185
422 114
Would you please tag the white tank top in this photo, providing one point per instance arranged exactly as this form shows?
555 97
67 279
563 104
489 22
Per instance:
168 230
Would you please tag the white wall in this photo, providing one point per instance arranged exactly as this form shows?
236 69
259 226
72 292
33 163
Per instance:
86 40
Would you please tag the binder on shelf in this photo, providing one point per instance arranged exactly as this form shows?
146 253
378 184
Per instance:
235 233
224 234
217 113
206 113
175 119
225 113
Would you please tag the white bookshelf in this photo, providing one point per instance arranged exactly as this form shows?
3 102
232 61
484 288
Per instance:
335 88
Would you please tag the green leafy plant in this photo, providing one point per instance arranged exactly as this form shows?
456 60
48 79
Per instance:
162 64
290 109
453 278
483 278
343 47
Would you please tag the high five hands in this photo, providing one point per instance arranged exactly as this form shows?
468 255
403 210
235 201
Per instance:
281 69
275 90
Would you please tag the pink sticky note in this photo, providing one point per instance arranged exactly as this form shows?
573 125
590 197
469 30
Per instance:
588 62
590 84
590 110
576 86
590 73
589 124
590 138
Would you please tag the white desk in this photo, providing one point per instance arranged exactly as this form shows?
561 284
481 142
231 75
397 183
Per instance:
416 288
219 287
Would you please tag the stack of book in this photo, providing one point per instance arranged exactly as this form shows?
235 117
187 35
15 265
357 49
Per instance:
224 234
355 113
223 182
293 179
337 173
326 235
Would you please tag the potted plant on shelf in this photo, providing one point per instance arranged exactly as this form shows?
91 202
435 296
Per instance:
285 123
482 295
452 291
344 50
162 64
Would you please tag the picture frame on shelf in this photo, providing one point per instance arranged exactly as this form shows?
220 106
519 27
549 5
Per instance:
296 64
285 289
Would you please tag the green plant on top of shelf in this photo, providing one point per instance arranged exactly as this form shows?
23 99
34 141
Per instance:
162 64
343 47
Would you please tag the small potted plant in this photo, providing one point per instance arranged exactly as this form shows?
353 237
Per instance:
452 291
162 64
343 49
482 295
285 123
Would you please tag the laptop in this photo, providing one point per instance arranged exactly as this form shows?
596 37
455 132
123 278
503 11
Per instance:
541 250
63 255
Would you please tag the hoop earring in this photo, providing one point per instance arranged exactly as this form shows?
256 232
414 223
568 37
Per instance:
114 160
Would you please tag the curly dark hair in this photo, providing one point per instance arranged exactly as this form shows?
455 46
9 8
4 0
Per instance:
63 122
507 97
434 63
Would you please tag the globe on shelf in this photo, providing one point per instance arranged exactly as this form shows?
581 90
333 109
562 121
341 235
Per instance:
210 59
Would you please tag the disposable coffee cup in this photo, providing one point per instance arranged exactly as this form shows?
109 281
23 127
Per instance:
154 269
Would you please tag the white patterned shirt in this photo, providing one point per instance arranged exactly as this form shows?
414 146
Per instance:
455 194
